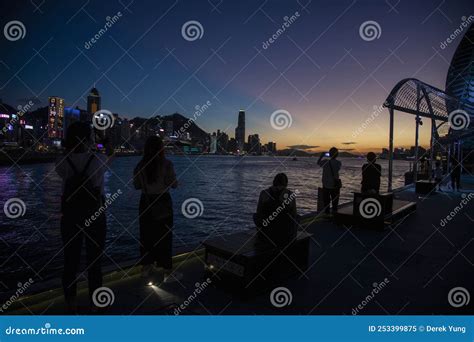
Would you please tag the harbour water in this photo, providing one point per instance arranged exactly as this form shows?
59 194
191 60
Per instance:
227 186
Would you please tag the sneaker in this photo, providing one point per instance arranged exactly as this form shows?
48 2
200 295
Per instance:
173 277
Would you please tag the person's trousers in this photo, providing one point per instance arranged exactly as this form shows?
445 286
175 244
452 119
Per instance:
455 180
74 234
330 197
156 224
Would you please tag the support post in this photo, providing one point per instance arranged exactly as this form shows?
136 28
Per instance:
390 152
417 130
433 129
432 143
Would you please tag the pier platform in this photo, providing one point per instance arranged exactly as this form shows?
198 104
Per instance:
419 259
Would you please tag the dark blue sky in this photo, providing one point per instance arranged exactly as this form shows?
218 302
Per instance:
320 69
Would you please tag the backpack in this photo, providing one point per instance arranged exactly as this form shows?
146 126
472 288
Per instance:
80 195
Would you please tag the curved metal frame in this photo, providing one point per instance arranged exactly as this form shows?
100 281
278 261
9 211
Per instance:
415 97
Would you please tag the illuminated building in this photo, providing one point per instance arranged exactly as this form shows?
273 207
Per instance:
56 118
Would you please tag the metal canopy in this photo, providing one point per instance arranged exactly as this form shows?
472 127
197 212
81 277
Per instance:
409 92
415 97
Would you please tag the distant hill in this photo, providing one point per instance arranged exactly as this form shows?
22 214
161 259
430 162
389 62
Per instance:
181 121
7 109
301 153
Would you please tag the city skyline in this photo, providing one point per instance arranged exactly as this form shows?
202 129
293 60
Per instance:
320 70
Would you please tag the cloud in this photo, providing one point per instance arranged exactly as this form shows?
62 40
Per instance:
302 147
349 143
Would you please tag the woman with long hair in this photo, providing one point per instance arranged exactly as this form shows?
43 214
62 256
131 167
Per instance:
154 175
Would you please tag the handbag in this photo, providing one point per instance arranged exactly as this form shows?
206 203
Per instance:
337 181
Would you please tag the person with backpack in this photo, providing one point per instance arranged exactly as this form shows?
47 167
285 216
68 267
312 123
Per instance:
154 175
82 173
331 182
276 218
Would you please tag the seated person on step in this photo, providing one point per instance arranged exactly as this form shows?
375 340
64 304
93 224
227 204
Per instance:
371 173
276 216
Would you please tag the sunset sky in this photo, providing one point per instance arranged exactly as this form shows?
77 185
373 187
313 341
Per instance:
320 70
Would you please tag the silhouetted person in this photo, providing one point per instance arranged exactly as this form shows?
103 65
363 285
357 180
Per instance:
425 168
371 173
82 172
276 216
155 175
331 181
456 169
438 174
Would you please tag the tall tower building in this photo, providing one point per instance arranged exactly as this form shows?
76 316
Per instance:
240 131
460 84
56 118
460 78
93 101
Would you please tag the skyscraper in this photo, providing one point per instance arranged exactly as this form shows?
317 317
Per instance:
254 145
56 118
240 131
213 144
93 101
460 78
460 84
